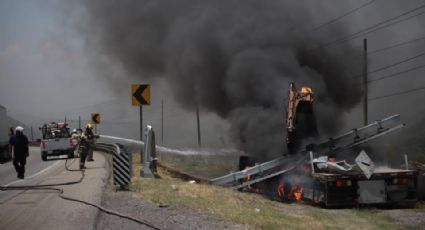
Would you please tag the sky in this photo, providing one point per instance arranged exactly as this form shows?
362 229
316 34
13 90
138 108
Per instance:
45 75
52 66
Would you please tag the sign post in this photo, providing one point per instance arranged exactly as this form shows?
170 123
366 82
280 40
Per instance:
140 95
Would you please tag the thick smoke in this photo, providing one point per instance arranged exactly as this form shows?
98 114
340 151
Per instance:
232 58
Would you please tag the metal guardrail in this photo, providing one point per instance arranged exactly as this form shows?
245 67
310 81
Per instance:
122 163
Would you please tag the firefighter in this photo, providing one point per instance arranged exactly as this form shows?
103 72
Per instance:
74 141
85 143
92 140
19 144
83 146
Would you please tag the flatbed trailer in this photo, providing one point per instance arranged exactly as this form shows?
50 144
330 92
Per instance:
294 177
389 187
384 187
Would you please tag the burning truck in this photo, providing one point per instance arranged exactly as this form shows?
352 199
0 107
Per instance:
315 175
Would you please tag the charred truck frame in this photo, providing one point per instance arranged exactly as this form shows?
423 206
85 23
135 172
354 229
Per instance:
313 175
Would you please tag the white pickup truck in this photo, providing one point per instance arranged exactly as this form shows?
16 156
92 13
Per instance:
56 140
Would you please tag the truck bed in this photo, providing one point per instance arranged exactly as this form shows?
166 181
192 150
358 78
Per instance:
56 147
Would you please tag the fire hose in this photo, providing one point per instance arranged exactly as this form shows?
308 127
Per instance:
49 187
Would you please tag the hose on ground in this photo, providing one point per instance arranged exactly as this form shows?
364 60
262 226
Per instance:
49 187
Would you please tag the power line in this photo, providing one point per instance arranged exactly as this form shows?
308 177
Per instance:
397 45
396 74
373 28
391 65
388 25
368 31
396 94
396 63
342 16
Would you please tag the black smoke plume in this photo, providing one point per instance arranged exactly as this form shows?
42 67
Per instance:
233 58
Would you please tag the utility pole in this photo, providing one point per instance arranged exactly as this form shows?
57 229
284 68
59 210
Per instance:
365 88
162 122
79 122
32 134
199 127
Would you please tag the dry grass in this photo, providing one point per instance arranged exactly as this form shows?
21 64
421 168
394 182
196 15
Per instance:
254 210
420 207
205 167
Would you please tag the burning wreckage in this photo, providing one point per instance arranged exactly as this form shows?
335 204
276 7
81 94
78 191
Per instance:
314 175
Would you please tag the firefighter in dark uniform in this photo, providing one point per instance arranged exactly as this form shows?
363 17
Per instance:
19 144
85 145
92 140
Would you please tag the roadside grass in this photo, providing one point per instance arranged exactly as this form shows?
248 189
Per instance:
252 210
420 207
380 219
203 166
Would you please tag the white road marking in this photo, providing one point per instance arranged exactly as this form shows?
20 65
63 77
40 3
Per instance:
34 175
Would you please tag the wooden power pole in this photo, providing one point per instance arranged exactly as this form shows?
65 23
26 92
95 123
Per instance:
199 127
162 122
365 88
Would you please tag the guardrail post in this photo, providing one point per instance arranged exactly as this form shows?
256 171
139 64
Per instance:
149 154
122 167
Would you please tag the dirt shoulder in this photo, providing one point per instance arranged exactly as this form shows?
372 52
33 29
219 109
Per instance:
168 217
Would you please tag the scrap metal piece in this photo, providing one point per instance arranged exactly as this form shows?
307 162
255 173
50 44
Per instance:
365 164
322 163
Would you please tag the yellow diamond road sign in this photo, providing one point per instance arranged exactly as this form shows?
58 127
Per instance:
95 117
140 94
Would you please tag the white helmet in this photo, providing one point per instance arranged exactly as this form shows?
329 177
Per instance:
19 129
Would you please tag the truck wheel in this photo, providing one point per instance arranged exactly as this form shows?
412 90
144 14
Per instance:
71 154
44 156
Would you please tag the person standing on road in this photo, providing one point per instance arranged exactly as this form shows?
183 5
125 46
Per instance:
19 144
83 147
74 142
86 145
91 138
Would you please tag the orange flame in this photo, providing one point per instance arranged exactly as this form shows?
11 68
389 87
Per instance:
281 189
297 192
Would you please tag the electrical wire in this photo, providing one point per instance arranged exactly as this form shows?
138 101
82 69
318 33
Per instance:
397 74
391 65
396 63
396 94
49 187
373 28
396 45
342 16
388 25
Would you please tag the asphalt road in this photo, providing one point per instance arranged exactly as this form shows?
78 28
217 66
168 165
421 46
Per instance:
33 166
40 209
